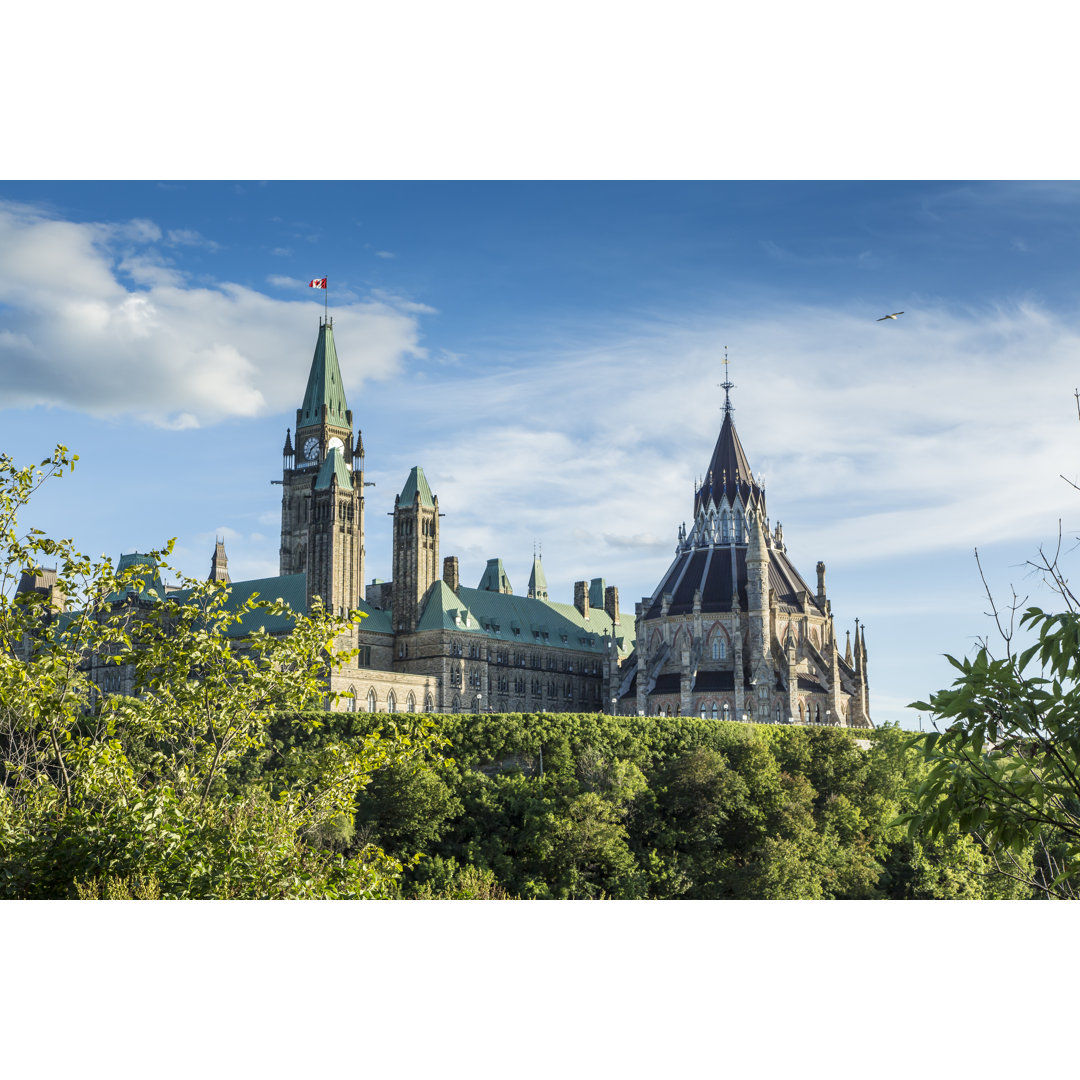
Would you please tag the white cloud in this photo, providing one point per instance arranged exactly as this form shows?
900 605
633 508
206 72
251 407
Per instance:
944 430
191 238
164 351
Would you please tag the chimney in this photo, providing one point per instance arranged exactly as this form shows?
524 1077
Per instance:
581 597
611 603
820 582
450 572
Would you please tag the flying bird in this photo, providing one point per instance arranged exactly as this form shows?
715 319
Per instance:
892 316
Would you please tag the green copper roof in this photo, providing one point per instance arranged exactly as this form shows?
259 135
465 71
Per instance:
444 611
292 588
596 592
152 586
324 386
333 465
417 482
538 581
495 579
520 620
377 621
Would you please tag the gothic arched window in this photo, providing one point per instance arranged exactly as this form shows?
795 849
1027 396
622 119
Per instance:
714 711
410 703
391 702
716 649
738 527
371 701
778 712
725 526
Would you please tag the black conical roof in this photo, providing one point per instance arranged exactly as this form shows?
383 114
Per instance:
729 471
718 577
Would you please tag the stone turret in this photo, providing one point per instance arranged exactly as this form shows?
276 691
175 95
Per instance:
757 599
219 563
416 549
792 675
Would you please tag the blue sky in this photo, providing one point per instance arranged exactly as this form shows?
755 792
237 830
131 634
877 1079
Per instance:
550 353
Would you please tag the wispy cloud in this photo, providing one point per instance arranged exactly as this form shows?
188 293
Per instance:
191 238
941 432
864 258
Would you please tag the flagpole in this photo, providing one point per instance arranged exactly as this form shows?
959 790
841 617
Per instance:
326 300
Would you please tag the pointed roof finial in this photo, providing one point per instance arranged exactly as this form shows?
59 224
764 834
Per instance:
727 385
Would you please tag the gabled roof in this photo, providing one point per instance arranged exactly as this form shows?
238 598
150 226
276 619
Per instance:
417 483
324 386
333 465
729 471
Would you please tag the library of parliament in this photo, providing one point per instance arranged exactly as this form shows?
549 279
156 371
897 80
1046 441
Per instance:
732 630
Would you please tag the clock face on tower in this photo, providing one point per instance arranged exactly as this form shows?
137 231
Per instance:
336 444
311 449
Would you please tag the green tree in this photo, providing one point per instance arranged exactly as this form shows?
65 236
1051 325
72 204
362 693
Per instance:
1004 758
130 794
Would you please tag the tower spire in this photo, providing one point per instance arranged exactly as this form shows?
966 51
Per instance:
727 386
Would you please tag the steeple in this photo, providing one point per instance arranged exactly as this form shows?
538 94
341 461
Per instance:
219 564
538 589
729 472
324 386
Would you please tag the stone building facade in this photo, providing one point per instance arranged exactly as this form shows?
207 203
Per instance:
733 631
428 643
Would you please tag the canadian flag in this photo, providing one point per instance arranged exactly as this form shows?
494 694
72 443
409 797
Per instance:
317 283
